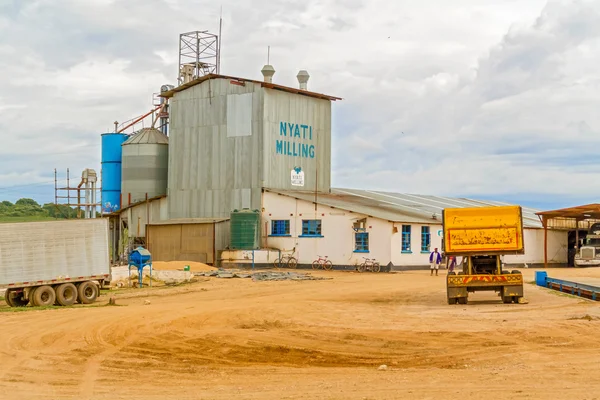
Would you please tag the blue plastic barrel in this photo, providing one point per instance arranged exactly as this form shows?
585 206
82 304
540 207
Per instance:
111 171
540 278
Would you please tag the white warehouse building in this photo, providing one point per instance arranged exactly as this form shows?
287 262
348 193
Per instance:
238 144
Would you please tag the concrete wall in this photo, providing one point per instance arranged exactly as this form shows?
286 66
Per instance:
385 244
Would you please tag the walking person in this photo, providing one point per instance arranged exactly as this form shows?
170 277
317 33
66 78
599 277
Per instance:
435 259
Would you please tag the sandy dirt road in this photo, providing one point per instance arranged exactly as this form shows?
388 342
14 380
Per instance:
226 339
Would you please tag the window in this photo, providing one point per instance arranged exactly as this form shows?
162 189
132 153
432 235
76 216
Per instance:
311 227
406 238
425 239
361 242
280 227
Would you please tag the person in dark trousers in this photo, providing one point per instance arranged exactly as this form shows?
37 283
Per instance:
435 260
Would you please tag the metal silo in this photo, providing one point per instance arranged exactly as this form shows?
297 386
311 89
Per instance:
145 166
111 171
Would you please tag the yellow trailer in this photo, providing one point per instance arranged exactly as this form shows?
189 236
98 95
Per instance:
481 235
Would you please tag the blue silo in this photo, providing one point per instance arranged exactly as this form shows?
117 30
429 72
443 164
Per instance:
111 171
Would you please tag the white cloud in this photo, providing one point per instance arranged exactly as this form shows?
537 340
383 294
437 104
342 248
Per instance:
475 97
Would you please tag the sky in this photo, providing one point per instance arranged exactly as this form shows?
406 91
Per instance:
487 99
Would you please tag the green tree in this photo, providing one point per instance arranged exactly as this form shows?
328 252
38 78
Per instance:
27 202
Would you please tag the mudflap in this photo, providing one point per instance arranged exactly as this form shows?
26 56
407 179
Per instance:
510 291
457 292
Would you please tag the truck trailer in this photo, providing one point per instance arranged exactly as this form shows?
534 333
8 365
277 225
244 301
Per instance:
589 254
481 236
55 262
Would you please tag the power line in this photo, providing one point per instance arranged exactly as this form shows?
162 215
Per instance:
10 188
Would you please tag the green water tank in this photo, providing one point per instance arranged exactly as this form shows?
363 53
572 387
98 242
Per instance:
245 229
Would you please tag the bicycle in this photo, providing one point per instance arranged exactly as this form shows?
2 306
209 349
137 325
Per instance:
322 262
370 265
288 260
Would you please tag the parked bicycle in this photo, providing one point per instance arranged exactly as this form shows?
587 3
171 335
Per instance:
286 260
322 262
369 265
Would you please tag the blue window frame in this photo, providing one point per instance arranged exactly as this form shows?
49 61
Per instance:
425 239
280 227
311 227
406 238
361 242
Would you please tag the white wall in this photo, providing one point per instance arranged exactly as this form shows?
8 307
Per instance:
336 225
384 245
338 236
415 257
534 247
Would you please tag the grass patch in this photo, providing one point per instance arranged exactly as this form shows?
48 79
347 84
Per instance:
8 309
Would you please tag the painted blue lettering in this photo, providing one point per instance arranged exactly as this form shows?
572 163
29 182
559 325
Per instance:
294 148
310 130
279 146
304 130
304 150
282 129
297 131
291 128
287 149
311 151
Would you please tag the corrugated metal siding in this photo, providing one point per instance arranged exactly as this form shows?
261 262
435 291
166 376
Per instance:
138 216
185 242
33 251
282 107
209 173
145 171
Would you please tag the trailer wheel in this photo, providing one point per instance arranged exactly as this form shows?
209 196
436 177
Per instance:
66 294
87 292
506 299
7 298
43 296
514 271
16 299
463 300
452 301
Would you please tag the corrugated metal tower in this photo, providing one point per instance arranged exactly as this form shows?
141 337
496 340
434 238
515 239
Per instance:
145 166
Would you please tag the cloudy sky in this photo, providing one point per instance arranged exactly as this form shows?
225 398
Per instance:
491 99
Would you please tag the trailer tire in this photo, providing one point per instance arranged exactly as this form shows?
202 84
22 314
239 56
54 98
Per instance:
87 292
43 296
7 298
463 300
514 271
66 294
506 299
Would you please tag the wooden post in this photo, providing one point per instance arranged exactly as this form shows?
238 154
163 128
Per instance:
545 223
576 235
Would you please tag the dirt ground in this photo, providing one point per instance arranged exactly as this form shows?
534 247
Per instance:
238 339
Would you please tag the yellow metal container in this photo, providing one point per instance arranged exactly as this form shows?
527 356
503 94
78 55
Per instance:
483 230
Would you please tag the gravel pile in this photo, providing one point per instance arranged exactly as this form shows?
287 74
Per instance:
260 276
